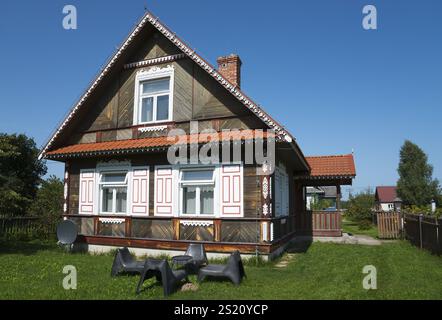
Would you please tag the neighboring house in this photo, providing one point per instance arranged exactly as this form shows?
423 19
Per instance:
386 199
316 194
120 187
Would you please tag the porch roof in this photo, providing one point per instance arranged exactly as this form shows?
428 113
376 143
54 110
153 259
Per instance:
153 143
338 168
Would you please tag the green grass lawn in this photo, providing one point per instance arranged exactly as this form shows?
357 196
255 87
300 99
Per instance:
324 271
351 227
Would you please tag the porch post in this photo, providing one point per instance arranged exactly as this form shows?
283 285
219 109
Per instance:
266 190
66 188
176 228
266 196
338 197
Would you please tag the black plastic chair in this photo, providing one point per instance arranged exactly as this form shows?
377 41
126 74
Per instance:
125 262
198 254
162 271
233 270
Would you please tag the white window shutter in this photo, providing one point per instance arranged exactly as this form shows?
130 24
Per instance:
164 190
277 193
87 191
231 190
140 190
286 195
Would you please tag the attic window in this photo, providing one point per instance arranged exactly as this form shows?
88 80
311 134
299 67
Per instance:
153 96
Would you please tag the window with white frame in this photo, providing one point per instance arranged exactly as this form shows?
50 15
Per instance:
197 190
113 192
153 96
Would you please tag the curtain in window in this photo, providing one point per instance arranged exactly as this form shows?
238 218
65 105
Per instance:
206 199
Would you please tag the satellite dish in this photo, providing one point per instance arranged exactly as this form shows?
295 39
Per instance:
67 232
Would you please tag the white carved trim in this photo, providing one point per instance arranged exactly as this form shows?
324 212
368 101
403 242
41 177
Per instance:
202 223
265 187
111 220
265 209
113 164
150 62
152 129
155 71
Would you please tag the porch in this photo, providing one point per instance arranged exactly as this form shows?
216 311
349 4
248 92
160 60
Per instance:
326 171
220 235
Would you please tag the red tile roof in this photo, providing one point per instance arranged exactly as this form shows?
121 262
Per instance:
154 142
386 194
332 166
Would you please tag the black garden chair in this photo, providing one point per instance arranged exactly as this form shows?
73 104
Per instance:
198 254
125 262
162 271
197 257
233 270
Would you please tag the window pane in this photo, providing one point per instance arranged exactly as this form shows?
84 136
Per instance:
189 203
200 175
146 109
121 200
162 107
156 86
206 200
113 177
107 200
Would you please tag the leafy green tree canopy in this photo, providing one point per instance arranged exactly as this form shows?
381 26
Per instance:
20 173
416 185
48 204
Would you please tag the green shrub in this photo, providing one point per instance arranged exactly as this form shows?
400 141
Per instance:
360 208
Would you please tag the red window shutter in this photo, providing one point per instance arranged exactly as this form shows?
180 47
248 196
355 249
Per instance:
231 196
87 191
163 191
140 190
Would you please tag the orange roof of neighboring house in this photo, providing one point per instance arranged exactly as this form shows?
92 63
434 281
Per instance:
332 166
133 145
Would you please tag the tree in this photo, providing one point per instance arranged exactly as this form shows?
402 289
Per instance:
320 204
360 208
20 173
415 185
48 204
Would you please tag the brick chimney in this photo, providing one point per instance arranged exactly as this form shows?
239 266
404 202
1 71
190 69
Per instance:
230 68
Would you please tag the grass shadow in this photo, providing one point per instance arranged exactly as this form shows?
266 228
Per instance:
26 247
300 246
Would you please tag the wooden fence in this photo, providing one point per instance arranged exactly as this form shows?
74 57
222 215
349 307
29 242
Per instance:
421 230
319 223
10 226
390 225
424 232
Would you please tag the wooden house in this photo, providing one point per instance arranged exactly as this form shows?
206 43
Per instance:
121 188
386 199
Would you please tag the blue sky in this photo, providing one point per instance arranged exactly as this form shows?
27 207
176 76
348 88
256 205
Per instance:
309 63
